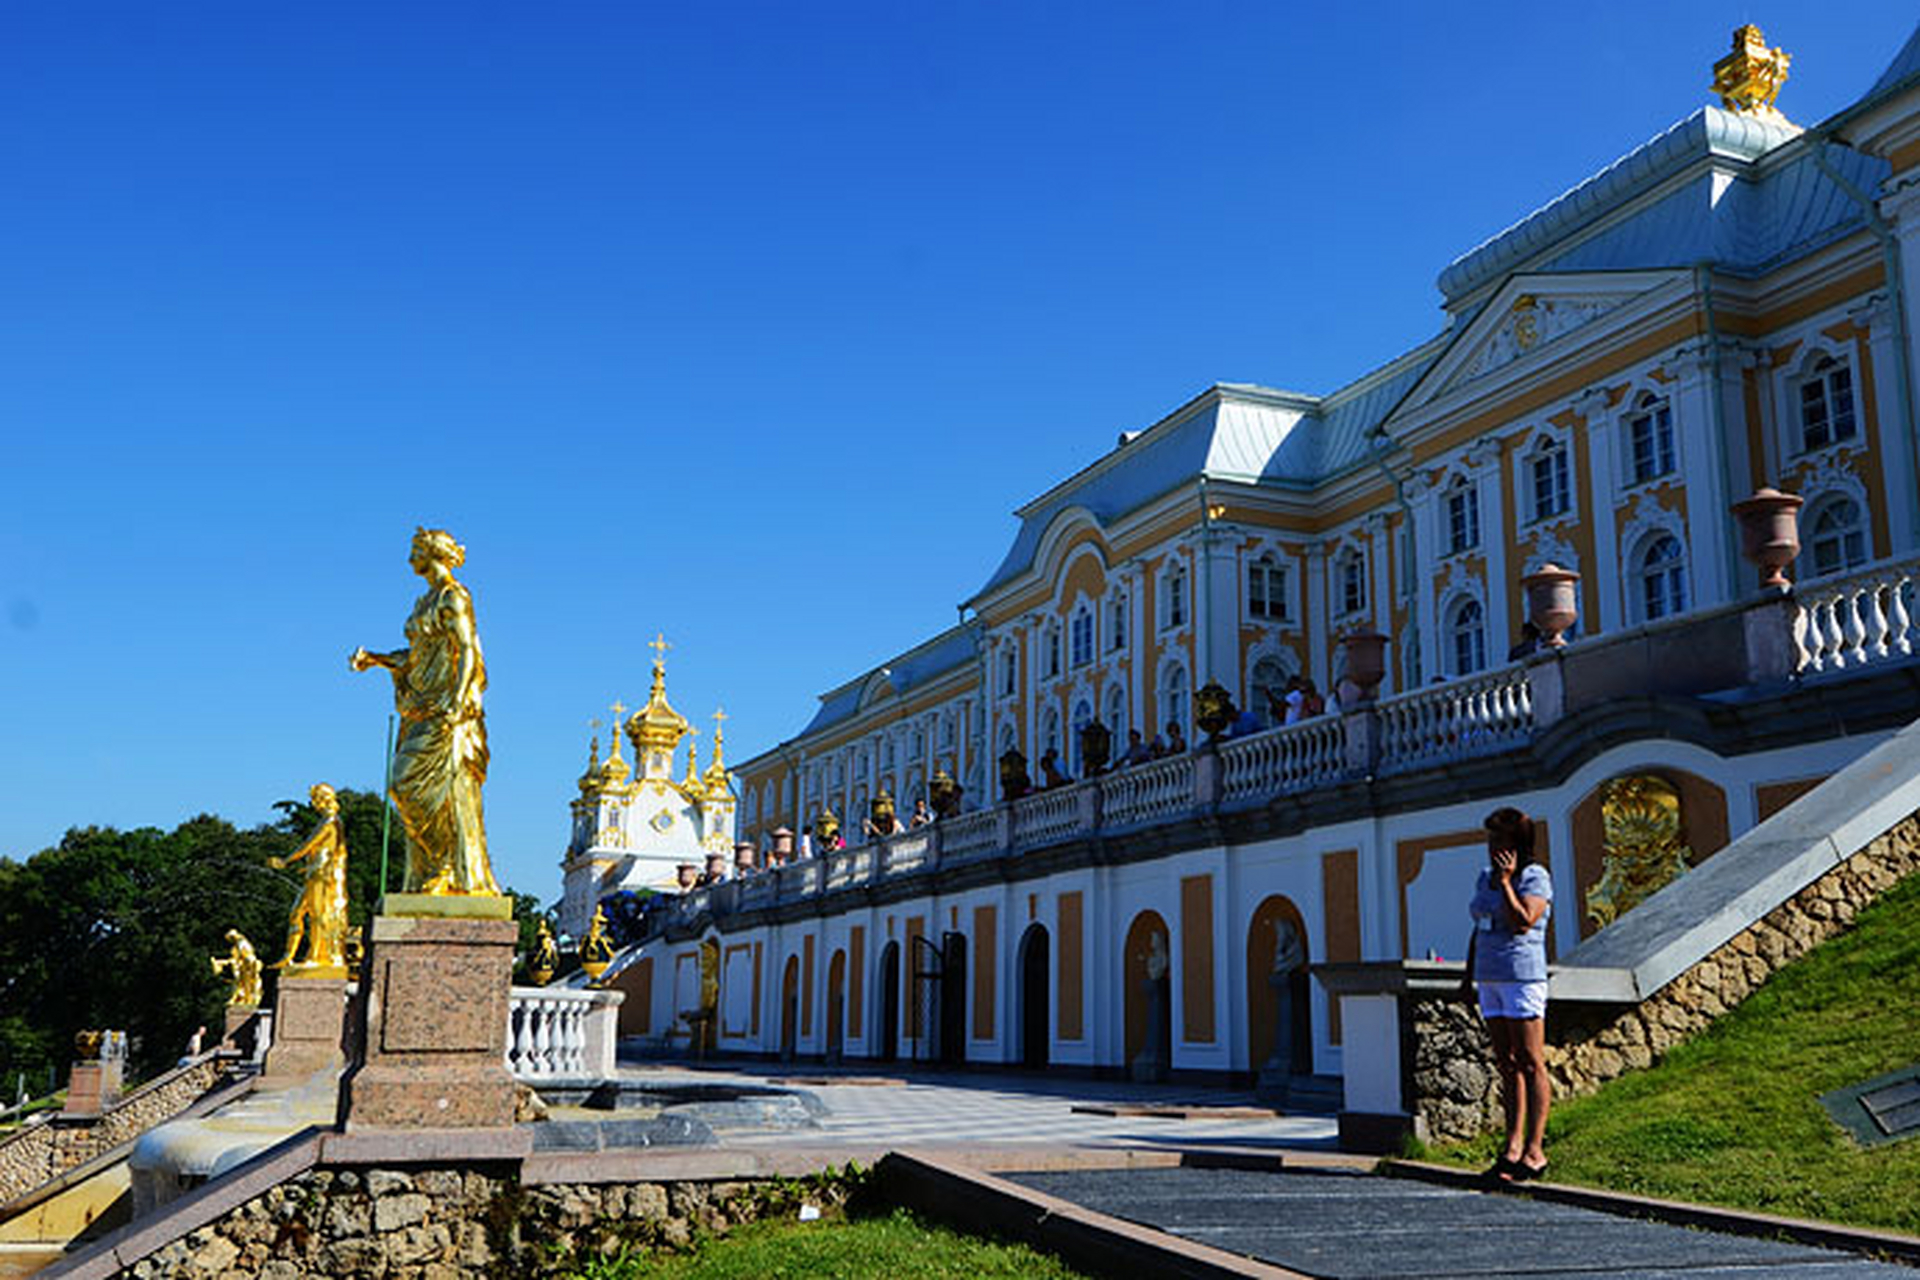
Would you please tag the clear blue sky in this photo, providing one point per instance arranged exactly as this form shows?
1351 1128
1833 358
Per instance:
745 323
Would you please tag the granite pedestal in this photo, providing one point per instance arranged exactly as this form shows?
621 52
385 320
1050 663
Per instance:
309 1022
432 1021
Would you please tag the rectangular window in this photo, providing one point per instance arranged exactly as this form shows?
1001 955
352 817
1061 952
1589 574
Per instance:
1826 406
1053 654
1551 491
1267 591
1082 638
1117 625
1463 519
1176 598
1353 584
1009 675
1651 437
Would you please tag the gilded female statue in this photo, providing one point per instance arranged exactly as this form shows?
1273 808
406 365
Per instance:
320 916
440 759
242 967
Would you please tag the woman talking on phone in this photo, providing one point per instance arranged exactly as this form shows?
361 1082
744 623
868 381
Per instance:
1511 900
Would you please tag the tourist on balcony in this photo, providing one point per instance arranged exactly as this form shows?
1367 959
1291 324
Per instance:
1511 901
921 817
1527 645
1138 752
1291 707
1050 775
806 840
1176 741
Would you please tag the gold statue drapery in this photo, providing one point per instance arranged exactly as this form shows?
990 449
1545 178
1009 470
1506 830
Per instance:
320 916
440 759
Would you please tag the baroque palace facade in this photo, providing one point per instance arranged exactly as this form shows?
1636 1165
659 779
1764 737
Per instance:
1726 307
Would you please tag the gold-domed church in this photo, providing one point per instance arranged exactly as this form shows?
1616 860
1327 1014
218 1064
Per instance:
632 830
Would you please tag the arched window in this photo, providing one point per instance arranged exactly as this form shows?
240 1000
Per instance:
1009 673
1839 537
1082 717
1548 482
1050 733
1463 517
1173 697
1662 572
1649 440
1117 717
1826 404
1050 652
1467 637
1269 687
946 730
1267 589
886 752
1117 623
1080 637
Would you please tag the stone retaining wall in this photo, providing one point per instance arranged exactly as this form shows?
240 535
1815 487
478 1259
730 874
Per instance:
472 1221
1454 1088
50 1148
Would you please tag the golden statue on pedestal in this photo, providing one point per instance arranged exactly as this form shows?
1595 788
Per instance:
320 915
440 760
596 949
243 967
545 958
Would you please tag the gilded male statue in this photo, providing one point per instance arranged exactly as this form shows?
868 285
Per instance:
320 915
242 967
440 759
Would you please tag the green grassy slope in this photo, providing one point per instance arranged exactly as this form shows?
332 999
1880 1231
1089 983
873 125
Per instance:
1732 1118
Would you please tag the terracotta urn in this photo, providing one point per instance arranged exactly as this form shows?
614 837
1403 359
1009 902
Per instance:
1770 532
689 875
716 867
1553 602
1366 662
1212 708
1096 746
743 857
782 843
1014 781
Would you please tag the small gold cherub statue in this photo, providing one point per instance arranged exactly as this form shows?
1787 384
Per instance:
320 915
243 966
596 949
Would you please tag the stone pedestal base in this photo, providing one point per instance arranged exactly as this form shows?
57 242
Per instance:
432 1026
92 1087
242 1029
309 1022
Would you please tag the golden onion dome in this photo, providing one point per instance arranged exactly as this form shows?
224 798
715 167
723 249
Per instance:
657 726
591 778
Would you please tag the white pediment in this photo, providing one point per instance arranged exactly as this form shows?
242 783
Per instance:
1536 319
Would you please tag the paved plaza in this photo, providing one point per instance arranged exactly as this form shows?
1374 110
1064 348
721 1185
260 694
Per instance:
915 1108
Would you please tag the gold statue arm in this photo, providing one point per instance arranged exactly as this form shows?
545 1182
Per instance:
318 845
467 638
361 659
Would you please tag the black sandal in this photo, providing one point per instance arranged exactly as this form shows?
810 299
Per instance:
1502 1170
1519 1171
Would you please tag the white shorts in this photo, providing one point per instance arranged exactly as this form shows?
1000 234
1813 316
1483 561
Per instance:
1513 999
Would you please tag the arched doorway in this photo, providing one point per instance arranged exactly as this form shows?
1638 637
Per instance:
953 999
790 1009
889 1047
1033 997
836 1004
1148 1027
1274 915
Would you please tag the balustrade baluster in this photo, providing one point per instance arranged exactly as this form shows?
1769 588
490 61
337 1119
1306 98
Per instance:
1899 620
1836 635
1876 623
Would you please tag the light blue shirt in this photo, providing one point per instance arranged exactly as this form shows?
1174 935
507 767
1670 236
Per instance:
1500 954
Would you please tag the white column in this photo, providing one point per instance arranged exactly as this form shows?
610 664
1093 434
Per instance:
1702 469
1320 596
1380 594
1219 610
1894 443
1603 454
1902 209
1484 458
1420 497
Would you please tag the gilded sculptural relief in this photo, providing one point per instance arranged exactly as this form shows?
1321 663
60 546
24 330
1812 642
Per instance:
319 917
440 757
1646 849
242 968
1749 78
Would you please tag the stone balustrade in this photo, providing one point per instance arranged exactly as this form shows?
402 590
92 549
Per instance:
562 1033
1847 621
1864 619
1475 716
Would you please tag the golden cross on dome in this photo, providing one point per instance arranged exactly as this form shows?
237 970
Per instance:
619 709
659 646
720 717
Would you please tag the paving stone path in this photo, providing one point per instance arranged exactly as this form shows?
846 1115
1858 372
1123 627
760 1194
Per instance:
1350 1225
